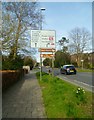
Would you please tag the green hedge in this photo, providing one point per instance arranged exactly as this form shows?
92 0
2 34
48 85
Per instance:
12 64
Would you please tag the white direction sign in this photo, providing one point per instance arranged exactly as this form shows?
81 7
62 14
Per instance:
43 38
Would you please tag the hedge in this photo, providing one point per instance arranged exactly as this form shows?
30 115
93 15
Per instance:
9 77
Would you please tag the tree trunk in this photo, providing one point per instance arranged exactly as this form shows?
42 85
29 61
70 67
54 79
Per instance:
16 38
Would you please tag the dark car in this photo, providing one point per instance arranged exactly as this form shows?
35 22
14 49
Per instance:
68 69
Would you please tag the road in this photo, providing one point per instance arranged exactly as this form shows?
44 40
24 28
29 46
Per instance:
82 79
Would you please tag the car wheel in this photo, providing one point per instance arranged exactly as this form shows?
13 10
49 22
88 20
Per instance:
66 73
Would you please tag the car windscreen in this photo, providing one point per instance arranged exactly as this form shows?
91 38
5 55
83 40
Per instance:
71 67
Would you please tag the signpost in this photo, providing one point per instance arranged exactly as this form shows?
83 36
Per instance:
46 55
47 50
82 63
44 40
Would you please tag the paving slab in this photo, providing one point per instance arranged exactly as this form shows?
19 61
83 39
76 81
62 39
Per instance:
24 99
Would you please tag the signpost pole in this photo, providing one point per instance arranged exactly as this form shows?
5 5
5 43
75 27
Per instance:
45 40
40 68
82 63
41 63
52 65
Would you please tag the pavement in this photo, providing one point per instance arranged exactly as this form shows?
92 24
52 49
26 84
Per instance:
24 99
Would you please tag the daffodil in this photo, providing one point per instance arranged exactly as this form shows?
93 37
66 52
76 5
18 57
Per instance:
78 88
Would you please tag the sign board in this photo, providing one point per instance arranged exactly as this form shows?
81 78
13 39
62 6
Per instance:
46 55
43 38
46 50
82 60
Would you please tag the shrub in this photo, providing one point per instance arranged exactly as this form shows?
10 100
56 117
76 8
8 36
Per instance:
12 64
75 64
28 61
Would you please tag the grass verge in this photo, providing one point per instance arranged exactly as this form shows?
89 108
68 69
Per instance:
83 70
61 99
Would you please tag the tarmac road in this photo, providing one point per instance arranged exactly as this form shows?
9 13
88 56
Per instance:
82 79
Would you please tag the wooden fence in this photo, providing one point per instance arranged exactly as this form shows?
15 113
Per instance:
9 77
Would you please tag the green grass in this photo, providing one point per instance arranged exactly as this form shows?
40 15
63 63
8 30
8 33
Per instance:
83 70
60 99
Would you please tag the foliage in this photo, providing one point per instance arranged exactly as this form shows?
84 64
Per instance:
12 64
37 64
28 61
74 63
87 58
79 39
18 18
47 62
80 94
61 58
60 99
91 66
62 43
83 70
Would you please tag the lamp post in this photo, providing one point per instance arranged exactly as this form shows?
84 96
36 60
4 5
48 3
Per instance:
42 9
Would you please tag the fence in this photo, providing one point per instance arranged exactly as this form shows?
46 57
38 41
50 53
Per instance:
9 77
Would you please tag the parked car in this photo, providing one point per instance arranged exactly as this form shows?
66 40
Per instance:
68 69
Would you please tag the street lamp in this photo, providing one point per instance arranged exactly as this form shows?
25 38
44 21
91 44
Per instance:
42 9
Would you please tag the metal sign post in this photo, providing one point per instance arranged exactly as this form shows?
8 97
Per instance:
53 64
40 66
40 69
44 40
82 63
47 50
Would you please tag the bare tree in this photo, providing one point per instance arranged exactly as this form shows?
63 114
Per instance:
17 17
78 43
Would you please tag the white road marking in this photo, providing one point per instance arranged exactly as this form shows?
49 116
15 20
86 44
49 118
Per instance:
82 84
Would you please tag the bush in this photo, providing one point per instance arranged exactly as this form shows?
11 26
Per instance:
75 64
91 66
28 61
12 64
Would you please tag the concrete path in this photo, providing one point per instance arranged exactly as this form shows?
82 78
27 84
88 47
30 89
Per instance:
24 99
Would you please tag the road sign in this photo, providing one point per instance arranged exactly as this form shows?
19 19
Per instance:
47 50
43 38
47 55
